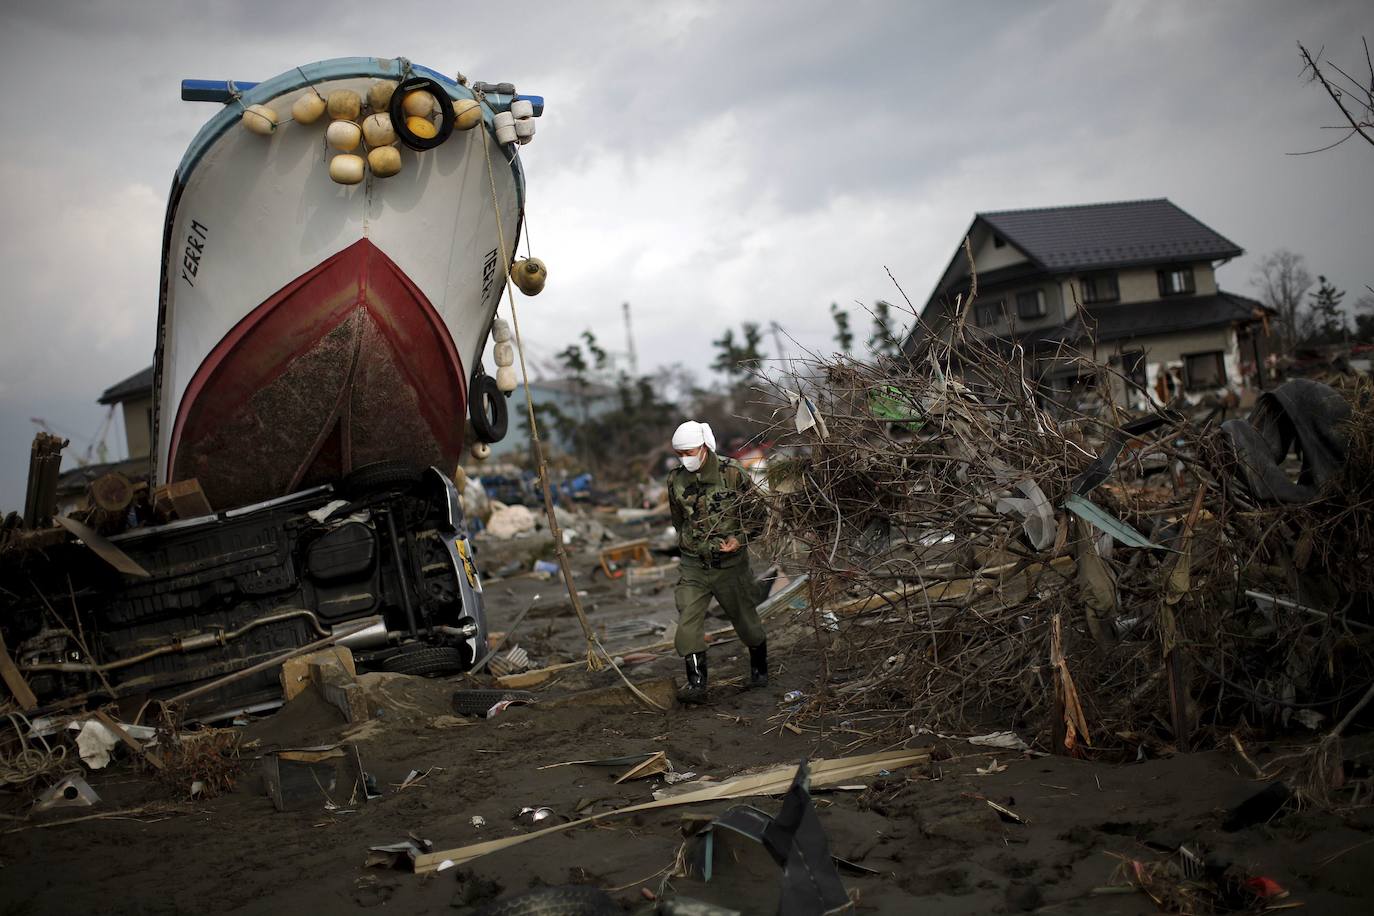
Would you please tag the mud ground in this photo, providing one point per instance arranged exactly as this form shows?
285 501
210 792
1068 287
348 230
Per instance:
935 845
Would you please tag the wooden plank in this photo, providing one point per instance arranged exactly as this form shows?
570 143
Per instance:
771 782
104 548
661 690
128 740
14 679
295 672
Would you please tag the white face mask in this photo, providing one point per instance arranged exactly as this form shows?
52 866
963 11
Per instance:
691 462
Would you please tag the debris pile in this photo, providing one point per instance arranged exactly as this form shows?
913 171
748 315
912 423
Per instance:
1100 580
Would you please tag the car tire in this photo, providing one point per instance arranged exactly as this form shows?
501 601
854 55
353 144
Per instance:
379 477
555 901
426 661
477 702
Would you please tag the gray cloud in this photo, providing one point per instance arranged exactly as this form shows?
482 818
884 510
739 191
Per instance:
708 162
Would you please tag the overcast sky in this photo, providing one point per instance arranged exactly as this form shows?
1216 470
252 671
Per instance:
709 162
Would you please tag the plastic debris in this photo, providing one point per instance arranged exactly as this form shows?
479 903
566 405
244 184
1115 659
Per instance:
72 792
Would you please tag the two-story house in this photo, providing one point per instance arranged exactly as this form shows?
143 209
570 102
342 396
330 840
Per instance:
1135 279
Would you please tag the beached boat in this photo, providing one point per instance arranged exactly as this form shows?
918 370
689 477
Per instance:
310 327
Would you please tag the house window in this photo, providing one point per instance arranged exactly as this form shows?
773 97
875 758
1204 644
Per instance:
998 242
1133 366
1176 281
986 314
1204 370
1099 288
1030 304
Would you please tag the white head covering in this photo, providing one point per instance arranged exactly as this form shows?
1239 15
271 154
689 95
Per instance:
692 434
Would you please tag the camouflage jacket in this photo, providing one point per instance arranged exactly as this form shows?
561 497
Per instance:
712 505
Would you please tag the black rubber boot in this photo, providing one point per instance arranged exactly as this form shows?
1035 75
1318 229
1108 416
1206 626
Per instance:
695 689
758 665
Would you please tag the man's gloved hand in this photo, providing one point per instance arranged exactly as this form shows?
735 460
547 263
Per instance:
730 544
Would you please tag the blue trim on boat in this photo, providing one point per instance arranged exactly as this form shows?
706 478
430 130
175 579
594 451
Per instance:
223 91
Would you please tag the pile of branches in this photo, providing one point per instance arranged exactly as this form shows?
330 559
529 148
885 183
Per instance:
928 499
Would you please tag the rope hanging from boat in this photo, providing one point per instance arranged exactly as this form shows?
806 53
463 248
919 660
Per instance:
597 656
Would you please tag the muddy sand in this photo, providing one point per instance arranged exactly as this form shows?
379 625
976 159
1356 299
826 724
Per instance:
932 842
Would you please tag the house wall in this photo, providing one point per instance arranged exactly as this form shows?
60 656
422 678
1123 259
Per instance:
138 422
1054 306
1140 284
987 256
1164 353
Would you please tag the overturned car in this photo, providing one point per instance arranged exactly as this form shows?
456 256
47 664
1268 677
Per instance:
381 561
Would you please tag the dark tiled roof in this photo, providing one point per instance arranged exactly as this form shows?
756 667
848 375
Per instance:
140 383
77 479
1165 316
1119 234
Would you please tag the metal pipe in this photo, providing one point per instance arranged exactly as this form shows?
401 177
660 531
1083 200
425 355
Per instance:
401 576
374 635
187 644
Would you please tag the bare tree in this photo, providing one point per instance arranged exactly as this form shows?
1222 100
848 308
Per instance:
1282 280
1354 97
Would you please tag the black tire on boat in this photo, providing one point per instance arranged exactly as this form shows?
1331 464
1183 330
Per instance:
398 115
555 901
426 661
380 476
487 409
477 702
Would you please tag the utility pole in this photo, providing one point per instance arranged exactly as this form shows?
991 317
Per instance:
630 342
776 330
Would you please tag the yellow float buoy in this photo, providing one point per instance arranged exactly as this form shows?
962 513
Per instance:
344 105
467 114
346 168
377 130
343 135
308 108
418 104
421 127
529 275
384 161
260 119
379 94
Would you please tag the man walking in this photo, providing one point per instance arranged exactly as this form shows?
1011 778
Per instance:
716 511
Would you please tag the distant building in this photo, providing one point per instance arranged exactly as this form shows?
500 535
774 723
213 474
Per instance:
1136 277
568 397
133 397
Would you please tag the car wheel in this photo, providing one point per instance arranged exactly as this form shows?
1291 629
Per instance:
426 661
477 702
380 476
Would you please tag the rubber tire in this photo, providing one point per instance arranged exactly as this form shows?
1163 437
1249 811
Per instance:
481 393
477 702
574 900
427 661
398 117
379 477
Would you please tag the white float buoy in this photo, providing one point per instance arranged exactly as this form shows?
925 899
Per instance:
419 104
344 105
504 122
481 451
506 379
522 108
260 119
377 130
384 161
504 354
346 168
343 135
500 330
467 114
379 94
308 108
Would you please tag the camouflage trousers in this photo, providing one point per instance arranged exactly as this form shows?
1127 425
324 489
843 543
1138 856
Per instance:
733 585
